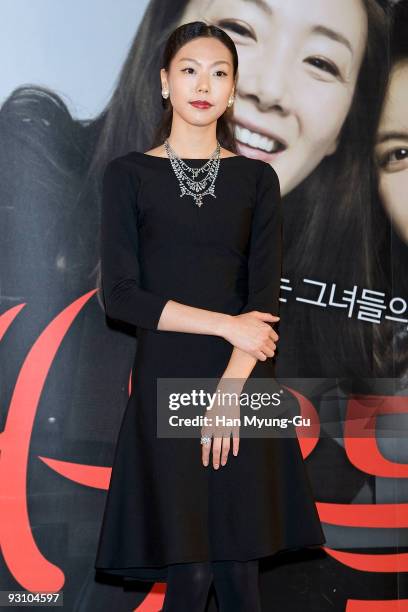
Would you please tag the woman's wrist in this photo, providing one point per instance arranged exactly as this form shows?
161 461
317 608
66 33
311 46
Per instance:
222 324
240 365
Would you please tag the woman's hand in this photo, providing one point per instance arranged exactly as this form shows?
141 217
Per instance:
252 333
223 420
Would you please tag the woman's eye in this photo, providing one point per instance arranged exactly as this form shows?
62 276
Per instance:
392 158
221 72
324 65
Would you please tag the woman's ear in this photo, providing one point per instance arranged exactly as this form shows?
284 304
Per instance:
163 78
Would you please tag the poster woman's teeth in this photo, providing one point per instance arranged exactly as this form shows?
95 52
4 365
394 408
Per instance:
258 141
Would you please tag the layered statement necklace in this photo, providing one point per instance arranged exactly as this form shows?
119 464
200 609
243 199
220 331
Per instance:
194 185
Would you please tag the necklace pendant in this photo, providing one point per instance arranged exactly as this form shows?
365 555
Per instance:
194 186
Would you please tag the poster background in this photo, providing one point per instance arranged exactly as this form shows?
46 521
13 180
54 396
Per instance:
65 373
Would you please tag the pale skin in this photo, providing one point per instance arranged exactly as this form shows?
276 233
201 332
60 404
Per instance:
207 74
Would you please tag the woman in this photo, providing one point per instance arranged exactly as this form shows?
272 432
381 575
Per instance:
166 516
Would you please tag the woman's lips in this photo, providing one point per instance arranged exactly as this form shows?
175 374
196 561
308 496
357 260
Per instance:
198 104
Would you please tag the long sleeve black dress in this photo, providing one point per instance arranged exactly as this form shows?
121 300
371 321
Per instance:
163 506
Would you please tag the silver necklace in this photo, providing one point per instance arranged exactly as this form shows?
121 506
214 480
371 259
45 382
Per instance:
195 187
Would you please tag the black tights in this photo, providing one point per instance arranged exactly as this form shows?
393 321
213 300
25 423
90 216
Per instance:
235 582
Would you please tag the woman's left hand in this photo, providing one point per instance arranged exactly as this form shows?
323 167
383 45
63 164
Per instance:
223 419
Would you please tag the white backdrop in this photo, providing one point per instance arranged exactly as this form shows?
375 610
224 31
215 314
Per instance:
64 45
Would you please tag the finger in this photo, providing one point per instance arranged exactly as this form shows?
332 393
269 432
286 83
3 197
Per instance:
235 441
216 449
268 316
269 348
226 444
205 456
205 450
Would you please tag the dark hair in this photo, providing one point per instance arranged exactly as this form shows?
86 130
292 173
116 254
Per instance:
177 39
399 38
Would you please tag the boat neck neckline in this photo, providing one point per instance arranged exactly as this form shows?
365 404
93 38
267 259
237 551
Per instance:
187 158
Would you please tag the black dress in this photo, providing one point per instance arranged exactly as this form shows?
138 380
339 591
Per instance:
163 506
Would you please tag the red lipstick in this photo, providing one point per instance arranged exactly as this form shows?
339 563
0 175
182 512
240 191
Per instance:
200 104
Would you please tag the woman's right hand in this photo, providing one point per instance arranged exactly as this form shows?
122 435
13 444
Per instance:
252 332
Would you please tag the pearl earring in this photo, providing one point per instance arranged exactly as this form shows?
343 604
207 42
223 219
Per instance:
230 102
165 93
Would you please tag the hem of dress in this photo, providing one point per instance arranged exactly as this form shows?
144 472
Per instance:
158 572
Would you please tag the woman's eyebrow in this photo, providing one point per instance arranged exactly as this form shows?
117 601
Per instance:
333 35
191 59
384 136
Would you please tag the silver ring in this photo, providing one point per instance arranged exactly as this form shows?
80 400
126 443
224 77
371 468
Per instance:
205 439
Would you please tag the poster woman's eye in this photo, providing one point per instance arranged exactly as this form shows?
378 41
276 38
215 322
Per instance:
324 65
237 28
221 72
185 70
395 160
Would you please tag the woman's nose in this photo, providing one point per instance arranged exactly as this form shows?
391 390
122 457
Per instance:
202 87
